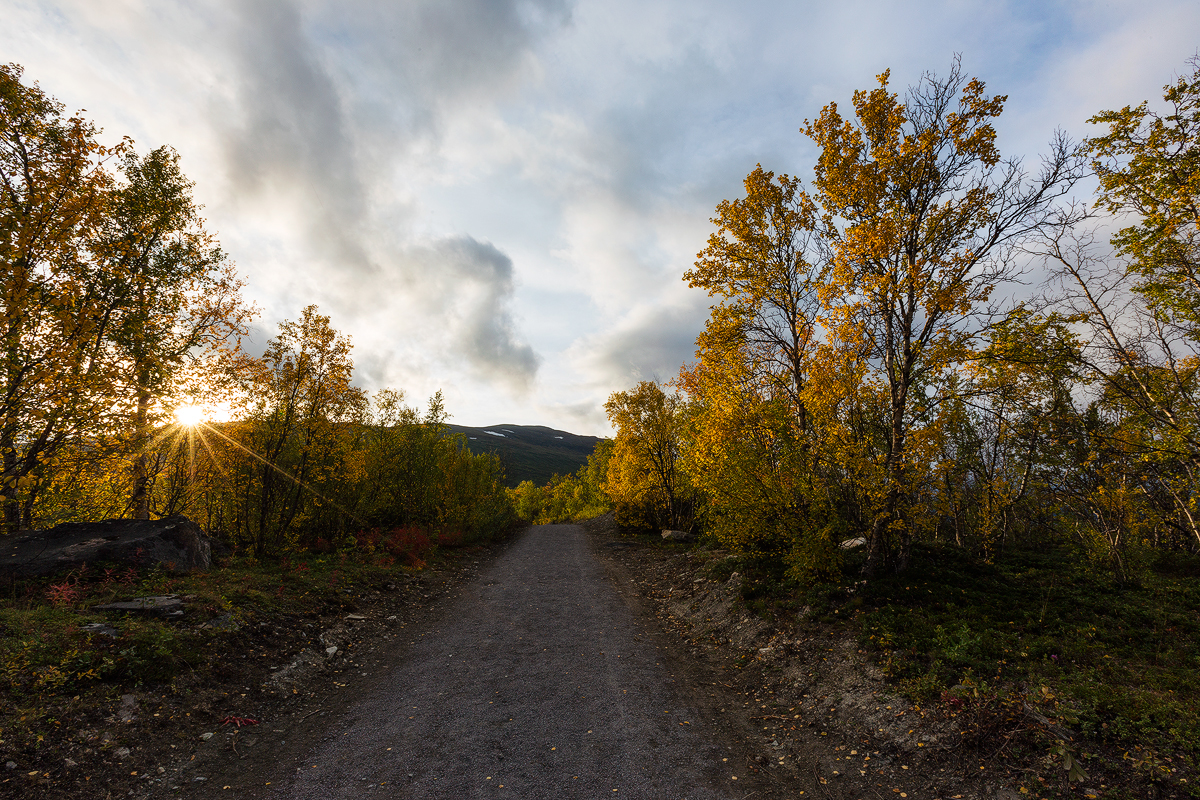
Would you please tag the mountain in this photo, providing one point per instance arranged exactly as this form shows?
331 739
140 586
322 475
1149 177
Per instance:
530 452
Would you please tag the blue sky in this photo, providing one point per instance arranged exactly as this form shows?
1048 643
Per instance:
498 199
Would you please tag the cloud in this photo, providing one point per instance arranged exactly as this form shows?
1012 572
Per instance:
291 140
331 117
499 197
650 342
474 283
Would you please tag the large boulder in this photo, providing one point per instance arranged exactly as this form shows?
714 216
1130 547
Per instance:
175 542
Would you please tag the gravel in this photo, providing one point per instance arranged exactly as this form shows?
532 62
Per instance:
540 682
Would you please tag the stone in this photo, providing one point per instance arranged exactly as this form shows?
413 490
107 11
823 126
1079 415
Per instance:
175 542
128 706
206 736
225 622
68 763
850 544
100 629
331 651
164 605
121 753
678 536
10 765
355 617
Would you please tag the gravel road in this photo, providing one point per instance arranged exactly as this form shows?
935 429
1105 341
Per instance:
540 682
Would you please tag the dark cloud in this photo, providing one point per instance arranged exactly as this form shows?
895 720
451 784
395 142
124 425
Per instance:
651 343
292 142
474 282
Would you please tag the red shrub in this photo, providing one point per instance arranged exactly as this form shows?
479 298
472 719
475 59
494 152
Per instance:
450 538
410 545
65 594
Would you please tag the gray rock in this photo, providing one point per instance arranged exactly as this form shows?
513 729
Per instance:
100 629
225 622
678 536
128 706
166 605
121 753
10 765
175 542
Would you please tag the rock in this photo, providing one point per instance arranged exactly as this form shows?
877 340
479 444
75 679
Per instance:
165 605
10 765
174 542
850 544
225 622
121 753
128 706
206 736
355 617
331 651
68 763
678 536
100 629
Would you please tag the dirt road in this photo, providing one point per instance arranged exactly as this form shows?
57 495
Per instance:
540 681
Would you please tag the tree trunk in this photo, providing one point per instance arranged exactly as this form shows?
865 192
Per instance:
140 500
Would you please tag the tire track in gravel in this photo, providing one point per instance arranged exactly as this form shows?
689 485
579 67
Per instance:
540 682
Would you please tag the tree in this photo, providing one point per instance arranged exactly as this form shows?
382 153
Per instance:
921 216
55 305
1149 167
301 403
644 479
176 297
1022 384
764 260
1141 311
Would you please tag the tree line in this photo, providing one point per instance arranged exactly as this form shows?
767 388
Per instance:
117 307
867 371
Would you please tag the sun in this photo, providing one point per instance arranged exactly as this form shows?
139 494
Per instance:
189 416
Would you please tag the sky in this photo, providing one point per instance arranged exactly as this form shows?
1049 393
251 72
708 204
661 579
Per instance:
499 198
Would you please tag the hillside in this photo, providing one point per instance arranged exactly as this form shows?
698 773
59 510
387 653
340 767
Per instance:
530 452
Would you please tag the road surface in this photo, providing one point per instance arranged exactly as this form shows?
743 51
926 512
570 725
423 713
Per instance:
540 682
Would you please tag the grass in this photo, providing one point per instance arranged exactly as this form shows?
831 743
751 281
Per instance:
46 648
1041 633
1118 663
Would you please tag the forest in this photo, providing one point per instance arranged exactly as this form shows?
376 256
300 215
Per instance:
123 328
935 343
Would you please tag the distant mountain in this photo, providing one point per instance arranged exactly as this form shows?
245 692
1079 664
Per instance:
530 452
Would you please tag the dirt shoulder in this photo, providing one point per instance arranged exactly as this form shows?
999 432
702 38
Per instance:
267 688
816 714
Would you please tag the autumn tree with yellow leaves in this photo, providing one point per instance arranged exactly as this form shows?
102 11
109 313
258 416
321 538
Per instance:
645 477
923 219
56 307
176 301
